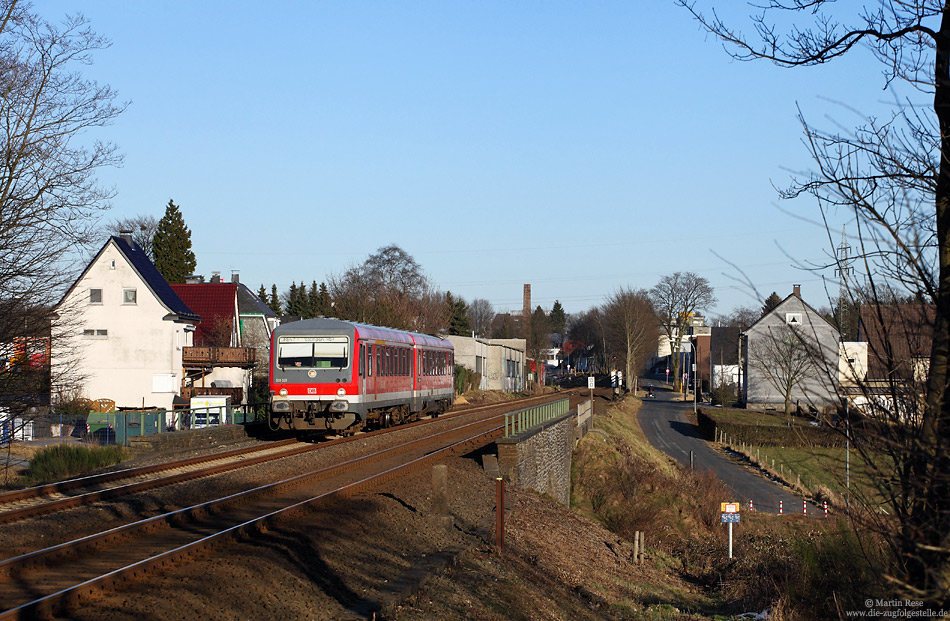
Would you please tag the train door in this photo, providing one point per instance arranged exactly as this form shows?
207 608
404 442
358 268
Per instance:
364 371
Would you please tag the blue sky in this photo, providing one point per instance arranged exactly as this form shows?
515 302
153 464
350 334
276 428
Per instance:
575 146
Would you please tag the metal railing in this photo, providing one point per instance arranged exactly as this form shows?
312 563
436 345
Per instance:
522 420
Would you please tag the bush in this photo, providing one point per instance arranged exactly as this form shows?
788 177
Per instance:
723 394
63 461
466 379
795 436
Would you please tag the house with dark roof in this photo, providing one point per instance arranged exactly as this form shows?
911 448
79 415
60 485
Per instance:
790 358
717 357
899 338
220 362
257 321
119 332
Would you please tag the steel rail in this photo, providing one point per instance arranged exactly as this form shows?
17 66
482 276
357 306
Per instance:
17 565
73 596
86 498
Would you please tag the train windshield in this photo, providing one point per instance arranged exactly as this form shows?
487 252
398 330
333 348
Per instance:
313 352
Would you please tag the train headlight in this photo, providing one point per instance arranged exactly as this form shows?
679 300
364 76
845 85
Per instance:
283 392
341 392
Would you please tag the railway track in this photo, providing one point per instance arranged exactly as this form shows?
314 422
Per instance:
47 581
44 499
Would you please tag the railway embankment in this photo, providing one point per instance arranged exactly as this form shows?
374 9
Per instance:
588 563
383 553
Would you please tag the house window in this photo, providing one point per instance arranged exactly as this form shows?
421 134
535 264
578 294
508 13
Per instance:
95 296
793 319
95 334
128 296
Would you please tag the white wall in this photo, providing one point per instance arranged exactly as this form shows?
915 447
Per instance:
138 361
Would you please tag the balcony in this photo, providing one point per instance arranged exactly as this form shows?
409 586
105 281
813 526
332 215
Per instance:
219 357
236 394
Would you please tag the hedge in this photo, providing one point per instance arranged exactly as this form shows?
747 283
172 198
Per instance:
797 436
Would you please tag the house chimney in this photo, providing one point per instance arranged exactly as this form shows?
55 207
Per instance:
235 276
797 291
216 277
127 236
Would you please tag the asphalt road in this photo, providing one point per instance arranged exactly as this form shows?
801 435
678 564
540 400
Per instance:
666 426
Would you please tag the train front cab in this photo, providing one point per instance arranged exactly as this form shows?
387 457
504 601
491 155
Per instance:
312 380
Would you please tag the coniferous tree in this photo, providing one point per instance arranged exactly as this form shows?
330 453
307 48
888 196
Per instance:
293 300
274 301
770 302
313 300
458 323
174 258
262 294
324 303
557 318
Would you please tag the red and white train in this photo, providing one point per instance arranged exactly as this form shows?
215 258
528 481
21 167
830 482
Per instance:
332 376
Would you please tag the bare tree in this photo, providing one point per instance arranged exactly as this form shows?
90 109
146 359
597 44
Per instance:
676 298
49 197
588 330
480 316
785 360
142 227
48 192
893 176
632 328
390 289
740 317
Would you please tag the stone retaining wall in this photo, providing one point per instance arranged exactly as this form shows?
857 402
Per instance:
540 458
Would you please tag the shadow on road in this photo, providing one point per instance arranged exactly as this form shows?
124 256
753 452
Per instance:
687 429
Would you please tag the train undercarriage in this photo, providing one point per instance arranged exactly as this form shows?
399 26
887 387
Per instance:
317 417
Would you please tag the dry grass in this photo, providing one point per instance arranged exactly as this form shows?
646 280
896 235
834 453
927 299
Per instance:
798 567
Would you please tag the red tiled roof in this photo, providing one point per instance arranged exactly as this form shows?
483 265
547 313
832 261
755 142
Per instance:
213 302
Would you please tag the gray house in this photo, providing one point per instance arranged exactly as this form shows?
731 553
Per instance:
790 358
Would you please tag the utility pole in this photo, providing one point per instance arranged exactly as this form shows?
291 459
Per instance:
843 271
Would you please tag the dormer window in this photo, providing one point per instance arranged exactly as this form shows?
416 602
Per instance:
95 296
129 296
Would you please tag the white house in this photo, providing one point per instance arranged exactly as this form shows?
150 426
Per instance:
790 356
119 332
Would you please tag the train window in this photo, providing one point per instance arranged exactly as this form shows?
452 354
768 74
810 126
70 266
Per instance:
362 360
313 352
379 359
388 366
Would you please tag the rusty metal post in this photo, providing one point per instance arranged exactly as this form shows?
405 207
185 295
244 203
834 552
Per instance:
500 515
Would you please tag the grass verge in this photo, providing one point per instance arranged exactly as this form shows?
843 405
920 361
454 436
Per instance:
798 567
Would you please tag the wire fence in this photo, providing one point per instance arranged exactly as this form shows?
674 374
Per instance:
118 427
